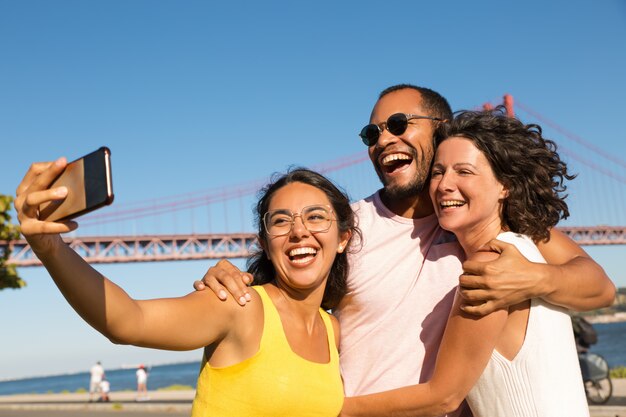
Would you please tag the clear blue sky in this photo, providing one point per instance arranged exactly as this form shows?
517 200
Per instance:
192 95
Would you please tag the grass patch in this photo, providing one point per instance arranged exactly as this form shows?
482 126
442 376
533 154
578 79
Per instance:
618 372
176 387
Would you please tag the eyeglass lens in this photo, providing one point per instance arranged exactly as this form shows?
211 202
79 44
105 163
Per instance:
315 219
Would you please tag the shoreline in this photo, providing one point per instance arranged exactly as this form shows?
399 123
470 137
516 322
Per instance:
123 367
607 318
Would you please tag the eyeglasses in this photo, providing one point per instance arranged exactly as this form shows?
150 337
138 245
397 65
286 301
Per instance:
396 124
316 219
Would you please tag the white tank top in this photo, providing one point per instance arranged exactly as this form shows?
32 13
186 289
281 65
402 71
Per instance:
544 378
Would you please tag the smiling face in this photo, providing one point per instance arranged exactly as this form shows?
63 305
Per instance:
402 162
465 192
302 259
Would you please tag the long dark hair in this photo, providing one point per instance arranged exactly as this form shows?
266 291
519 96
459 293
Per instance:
262 268
525 162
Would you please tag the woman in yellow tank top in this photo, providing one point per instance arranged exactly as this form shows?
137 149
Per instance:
277 356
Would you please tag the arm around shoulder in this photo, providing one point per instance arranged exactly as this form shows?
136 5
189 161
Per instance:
572 279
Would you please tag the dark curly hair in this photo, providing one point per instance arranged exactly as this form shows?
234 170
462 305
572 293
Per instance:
262 268
525 162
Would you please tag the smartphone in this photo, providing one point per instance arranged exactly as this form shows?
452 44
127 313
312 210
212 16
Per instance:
89 184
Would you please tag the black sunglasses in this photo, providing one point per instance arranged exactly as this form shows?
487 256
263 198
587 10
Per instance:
396 124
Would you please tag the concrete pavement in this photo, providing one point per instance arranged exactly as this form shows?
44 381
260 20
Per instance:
178 404
123 403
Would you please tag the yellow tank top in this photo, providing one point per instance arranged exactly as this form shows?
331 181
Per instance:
275 381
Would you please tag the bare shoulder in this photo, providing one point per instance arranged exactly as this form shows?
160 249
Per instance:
247 321
206 305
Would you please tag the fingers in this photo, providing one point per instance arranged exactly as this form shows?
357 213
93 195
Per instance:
481 309
247 278
495 245
224 278
35 227
233 285
473 268
40 175
33 171
38 178
473 296
472 281
33 191
199 285
32 200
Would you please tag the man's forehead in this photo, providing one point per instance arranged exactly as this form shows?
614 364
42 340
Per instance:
400 101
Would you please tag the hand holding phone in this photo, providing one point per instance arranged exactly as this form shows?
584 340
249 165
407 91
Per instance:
89 184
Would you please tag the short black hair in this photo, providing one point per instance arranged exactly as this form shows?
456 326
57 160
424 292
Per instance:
434 102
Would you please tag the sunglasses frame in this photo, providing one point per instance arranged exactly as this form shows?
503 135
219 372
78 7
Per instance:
385 125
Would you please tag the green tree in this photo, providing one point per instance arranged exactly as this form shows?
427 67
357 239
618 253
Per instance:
8 231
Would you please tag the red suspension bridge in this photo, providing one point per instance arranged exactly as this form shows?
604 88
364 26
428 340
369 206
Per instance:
601 174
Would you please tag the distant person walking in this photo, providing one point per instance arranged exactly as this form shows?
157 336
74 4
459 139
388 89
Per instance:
97 373
142 383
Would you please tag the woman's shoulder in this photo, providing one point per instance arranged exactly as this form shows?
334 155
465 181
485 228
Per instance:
208 305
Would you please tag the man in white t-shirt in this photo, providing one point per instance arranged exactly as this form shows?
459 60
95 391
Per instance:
96 372
403 279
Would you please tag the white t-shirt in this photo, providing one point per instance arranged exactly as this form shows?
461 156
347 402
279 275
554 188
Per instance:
142 376
401 288
97 371
105 387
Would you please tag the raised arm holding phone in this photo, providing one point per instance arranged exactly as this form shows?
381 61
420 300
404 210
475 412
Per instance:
276 356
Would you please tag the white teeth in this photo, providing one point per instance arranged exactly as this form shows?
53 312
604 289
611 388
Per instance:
452 203
302 251
301 260
395 157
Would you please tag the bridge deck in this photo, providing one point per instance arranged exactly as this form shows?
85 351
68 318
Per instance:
153 248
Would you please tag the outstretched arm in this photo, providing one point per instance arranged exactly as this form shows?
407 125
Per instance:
570 279
154 323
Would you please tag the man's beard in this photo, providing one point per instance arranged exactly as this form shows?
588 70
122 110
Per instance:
414 187
406 191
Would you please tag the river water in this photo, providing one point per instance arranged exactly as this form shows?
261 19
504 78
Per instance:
611 344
